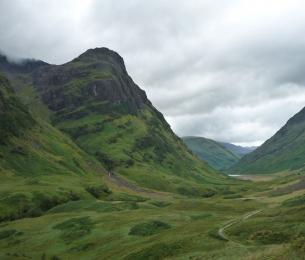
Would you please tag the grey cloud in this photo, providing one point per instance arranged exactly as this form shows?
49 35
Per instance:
228 70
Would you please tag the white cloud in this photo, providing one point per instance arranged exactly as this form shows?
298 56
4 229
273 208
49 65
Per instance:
229 70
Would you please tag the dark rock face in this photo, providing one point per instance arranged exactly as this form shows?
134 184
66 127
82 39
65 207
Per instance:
97 75
23 66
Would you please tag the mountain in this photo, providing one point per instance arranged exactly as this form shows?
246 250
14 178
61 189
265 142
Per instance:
211 151
94 101
282 152
77 146
238 150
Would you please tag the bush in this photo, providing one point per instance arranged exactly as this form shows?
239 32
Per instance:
105 160
74 228
298 245
298 201
233 196
45 202
156 251
160 204
269 237
148 228
99 191
193 192
7 233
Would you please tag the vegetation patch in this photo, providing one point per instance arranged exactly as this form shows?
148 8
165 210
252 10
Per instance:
126 197
148 228
233 196
298 201
98 192
298 245
97 206
7 233
82 247
193 192
269 237
213 233
74 228
156 251
201 216
160 204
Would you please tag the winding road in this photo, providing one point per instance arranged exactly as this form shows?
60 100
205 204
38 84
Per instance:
221 231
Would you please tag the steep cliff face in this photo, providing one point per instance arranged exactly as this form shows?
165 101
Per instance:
98 75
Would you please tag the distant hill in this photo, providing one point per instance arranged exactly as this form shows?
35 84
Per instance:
283 151
214 153
240 151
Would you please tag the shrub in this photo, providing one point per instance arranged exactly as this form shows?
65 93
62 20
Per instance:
269 237
193 192
74 228
233 196
105 160
298 245
160 204
148 228
298 201
7 233
156 251
99 191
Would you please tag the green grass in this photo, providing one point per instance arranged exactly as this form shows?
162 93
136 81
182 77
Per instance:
74 228
127 226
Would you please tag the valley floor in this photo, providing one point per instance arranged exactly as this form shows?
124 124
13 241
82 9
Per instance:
260 221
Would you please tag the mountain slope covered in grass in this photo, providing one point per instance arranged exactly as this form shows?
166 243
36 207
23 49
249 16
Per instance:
283 151
93 100
39 166
211 151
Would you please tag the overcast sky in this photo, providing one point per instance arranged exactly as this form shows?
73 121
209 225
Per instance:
228 70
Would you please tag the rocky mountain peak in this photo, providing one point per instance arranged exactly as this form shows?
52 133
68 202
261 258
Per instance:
102 54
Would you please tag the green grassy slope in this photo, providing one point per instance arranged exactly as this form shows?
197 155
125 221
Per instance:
211 151
39 166
283 151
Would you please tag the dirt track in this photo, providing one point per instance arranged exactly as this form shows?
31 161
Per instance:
221 231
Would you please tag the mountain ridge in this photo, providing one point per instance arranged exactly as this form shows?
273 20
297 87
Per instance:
216 155
93 100
282 152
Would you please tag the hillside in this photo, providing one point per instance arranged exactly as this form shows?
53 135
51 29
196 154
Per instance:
40 167
216 155
283 151
238 150
94 101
